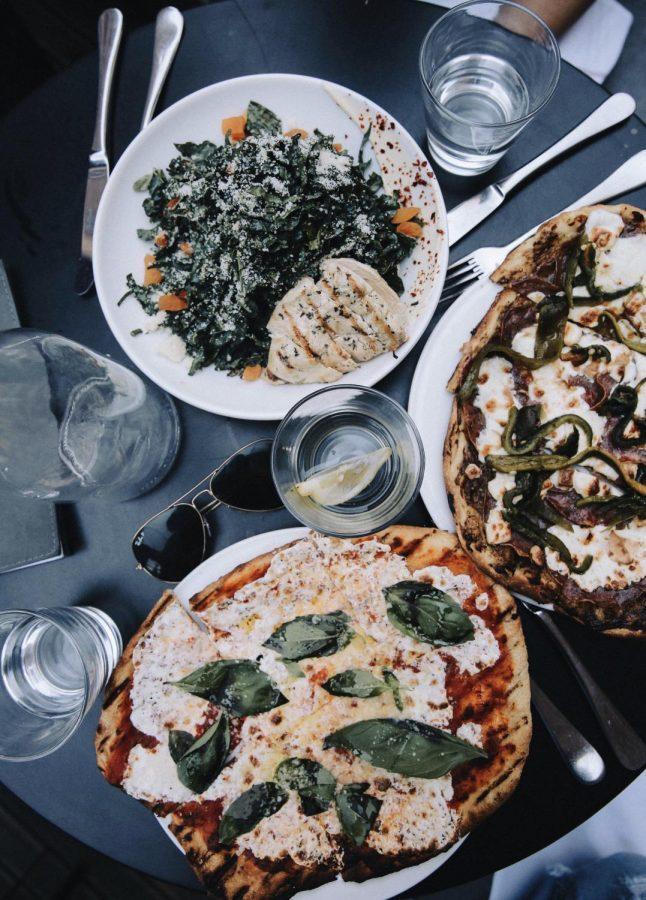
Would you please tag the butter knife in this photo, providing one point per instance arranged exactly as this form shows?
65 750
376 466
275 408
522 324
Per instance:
466 215
109 33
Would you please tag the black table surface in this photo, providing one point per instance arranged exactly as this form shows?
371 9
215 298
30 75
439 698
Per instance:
371 46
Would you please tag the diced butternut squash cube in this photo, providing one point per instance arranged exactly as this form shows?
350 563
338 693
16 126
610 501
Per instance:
338 147
412 229
152 275
172 203
172 302
297 131
252 373
235 127
161 239
186 248
405 213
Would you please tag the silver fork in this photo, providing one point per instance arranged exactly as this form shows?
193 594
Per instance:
481 263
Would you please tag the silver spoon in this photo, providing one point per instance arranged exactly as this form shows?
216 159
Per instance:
168 33
578 754
629 748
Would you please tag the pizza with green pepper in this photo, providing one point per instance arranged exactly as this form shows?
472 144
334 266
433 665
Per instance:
545 456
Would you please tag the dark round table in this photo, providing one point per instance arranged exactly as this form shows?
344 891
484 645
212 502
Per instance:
371 47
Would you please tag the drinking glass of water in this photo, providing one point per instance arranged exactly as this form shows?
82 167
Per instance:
347 425
487 69
75 423
53 665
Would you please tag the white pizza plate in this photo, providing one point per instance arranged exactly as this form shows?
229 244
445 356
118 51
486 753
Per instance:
219 564
429 402
300 101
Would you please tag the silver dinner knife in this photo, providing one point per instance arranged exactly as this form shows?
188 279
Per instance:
109 33
629 748
466 215
169 26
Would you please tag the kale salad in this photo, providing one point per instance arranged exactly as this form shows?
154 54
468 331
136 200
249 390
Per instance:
235 225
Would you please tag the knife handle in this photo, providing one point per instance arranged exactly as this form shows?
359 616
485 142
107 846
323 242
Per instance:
109 35
628 177
168 33
614 110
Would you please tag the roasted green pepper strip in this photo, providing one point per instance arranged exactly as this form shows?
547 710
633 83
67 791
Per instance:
524 447
551 462
524 526
636 345
552 315
596 351
624 507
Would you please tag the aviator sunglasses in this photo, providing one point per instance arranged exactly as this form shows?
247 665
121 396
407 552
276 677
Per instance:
173 542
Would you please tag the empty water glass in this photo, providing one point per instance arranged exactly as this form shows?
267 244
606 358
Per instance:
75 423
53 665
487 68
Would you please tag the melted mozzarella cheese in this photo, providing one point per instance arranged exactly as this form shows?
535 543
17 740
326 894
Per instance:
460 586
494 397
173 648
622 265
497 529
470 732
307 839
603 227
414 815
478 654
618 557
151 775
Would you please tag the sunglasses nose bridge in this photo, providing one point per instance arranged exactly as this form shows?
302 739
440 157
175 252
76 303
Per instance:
211 502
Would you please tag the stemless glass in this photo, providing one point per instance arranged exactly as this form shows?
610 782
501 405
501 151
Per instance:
487 68
74 423
53 664
338 424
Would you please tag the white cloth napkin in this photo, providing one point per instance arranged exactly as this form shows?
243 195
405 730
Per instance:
594 42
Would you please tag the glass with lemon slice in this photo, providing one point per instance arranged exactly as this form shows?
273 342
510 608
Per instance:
347 460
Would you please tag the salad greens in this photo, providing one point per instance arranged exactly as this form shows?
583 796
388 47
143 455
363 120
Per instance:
235 225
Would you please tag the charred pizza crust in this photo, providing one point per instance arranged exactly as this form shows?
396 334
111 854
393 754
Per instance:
497 698
621 612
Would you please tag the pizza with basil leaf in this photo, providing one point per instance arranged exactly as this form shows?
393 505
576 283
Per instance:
347 708
545 456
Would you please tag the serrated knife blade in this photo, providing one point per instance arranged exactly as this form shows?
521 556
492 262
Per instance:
109 37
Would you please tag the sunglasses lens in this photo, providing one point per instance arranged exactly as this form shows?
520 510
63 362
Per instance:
172 544
245 481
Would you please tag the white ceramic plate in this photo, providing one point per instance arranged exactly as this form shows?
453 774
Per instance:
429 403
299 101
219 564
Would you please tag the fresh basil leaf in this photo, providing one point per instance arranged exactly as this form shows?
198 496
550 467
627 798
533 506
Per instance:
354 683
312 782
313 635
427 614
237 685
259 802
393 683
178 743
142 184
293 668
357 811
201 762
261 120
404 746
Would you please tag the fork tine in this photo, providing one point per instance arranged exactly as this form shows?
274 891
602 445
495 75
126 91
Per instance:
462 265
450 294
455 281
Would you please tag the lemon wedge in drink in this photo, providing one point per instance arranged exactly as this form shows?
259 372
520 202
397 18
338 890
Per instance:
341 483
